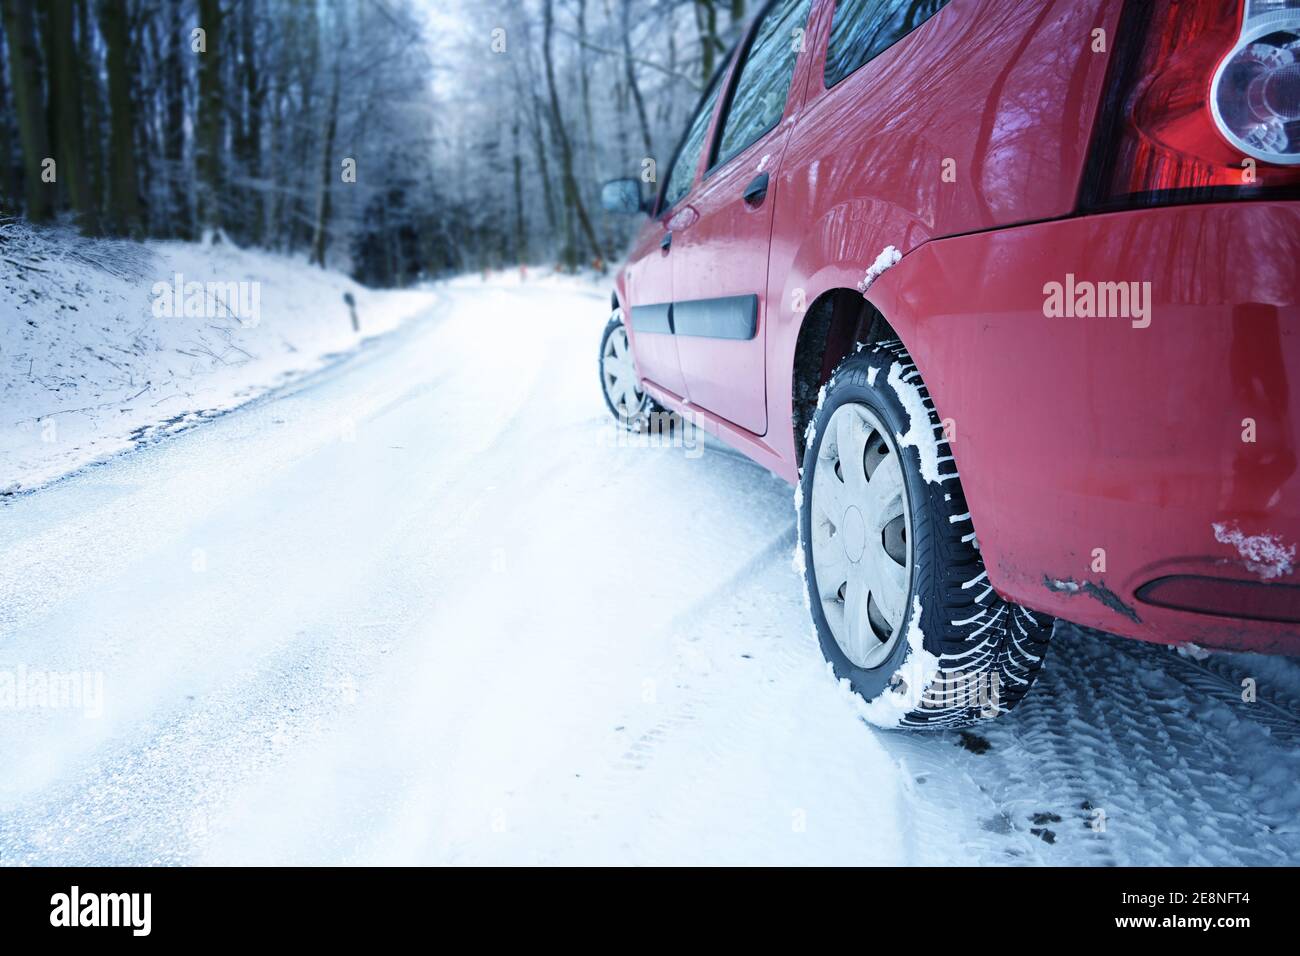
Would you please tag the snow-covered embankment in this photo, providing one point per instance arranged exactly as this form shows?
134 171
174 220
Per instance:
104 344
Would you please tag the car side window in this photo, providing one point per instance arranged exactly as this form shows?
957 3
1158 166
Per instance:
688 155
863 29
764 82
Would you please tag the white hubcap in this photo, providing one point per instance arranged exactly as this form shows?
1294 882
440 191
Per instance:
861 535
618 372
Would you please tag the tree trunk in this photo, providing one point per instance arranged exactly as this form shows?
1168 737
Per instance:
521 226
706 18
630 67
251 154
57 190
25 81
65 94
274 229
539 147
177 182
211 126
320 236
572 197
585 78
8 173
296 150
92 101
667 104
123 201
142 31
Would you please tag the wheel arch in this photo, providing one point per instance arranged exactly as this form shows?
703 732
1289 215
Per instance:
825 266
837 321
894 307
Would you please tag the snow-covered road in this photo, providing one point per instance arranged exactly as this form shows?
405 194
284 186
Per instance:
426 607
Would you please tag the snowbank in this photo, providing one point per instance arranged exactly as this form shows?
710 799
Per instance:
105 344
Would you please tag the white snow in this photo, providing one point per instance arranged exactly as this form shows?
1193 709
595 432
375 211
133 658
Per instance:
920 432
471 627
1265 554
798 560
888 258
93 359
917 673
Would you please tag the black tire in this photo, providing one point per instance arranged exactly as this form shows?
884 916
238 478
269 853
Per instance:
634 419
980 654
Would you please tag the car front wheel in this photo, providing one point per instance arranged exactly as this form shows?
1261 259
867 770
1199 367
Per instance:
624 396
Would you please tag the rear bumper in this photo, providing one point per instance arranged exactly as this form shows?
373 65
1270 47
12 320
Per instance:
1102 454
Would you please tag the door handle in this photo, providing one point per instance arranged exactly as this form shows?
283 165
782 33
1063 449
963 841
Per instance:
756 191
667 241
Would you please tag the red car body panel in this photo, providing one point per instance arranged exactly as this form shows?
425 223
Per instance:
714 256
723 251
1077 434
1070 434
649 278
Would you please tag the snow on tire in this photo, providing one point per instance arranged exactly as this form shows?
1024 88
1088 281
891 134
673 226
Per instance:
897 589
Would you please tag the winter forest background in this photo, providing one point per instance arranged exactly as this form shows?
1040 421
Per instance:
480 130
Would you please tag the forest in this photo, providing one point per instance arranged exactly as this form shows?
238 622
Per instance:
396 140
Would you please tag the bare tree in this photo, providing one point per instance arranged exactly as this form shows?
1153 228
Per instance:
25 79
467 156
320 237
630 66
211 116
65 99
123 200
573 198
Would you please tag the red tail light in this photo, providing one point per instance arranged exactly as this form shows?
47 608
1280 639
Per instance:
1202 104
1228 598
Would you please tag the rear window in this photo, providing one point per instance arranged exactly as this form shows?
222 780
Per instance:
863 29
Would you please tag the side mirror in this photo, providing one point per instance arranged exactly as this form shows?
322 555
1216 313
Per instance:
622 196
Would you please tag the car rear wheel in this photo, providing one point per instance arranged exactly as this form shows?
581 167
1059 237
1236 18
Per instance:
898 591
624 396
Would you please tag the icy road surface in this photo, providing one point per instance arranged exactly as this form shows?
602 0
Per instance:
425 608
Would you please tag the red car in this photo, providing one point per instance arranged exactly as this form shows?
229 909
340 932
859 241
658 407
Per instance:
1010 292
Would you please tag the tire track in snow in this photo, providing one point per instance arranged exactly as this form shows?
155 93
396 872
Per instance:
750 688
951 817
1140 765
1221 677
935 809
